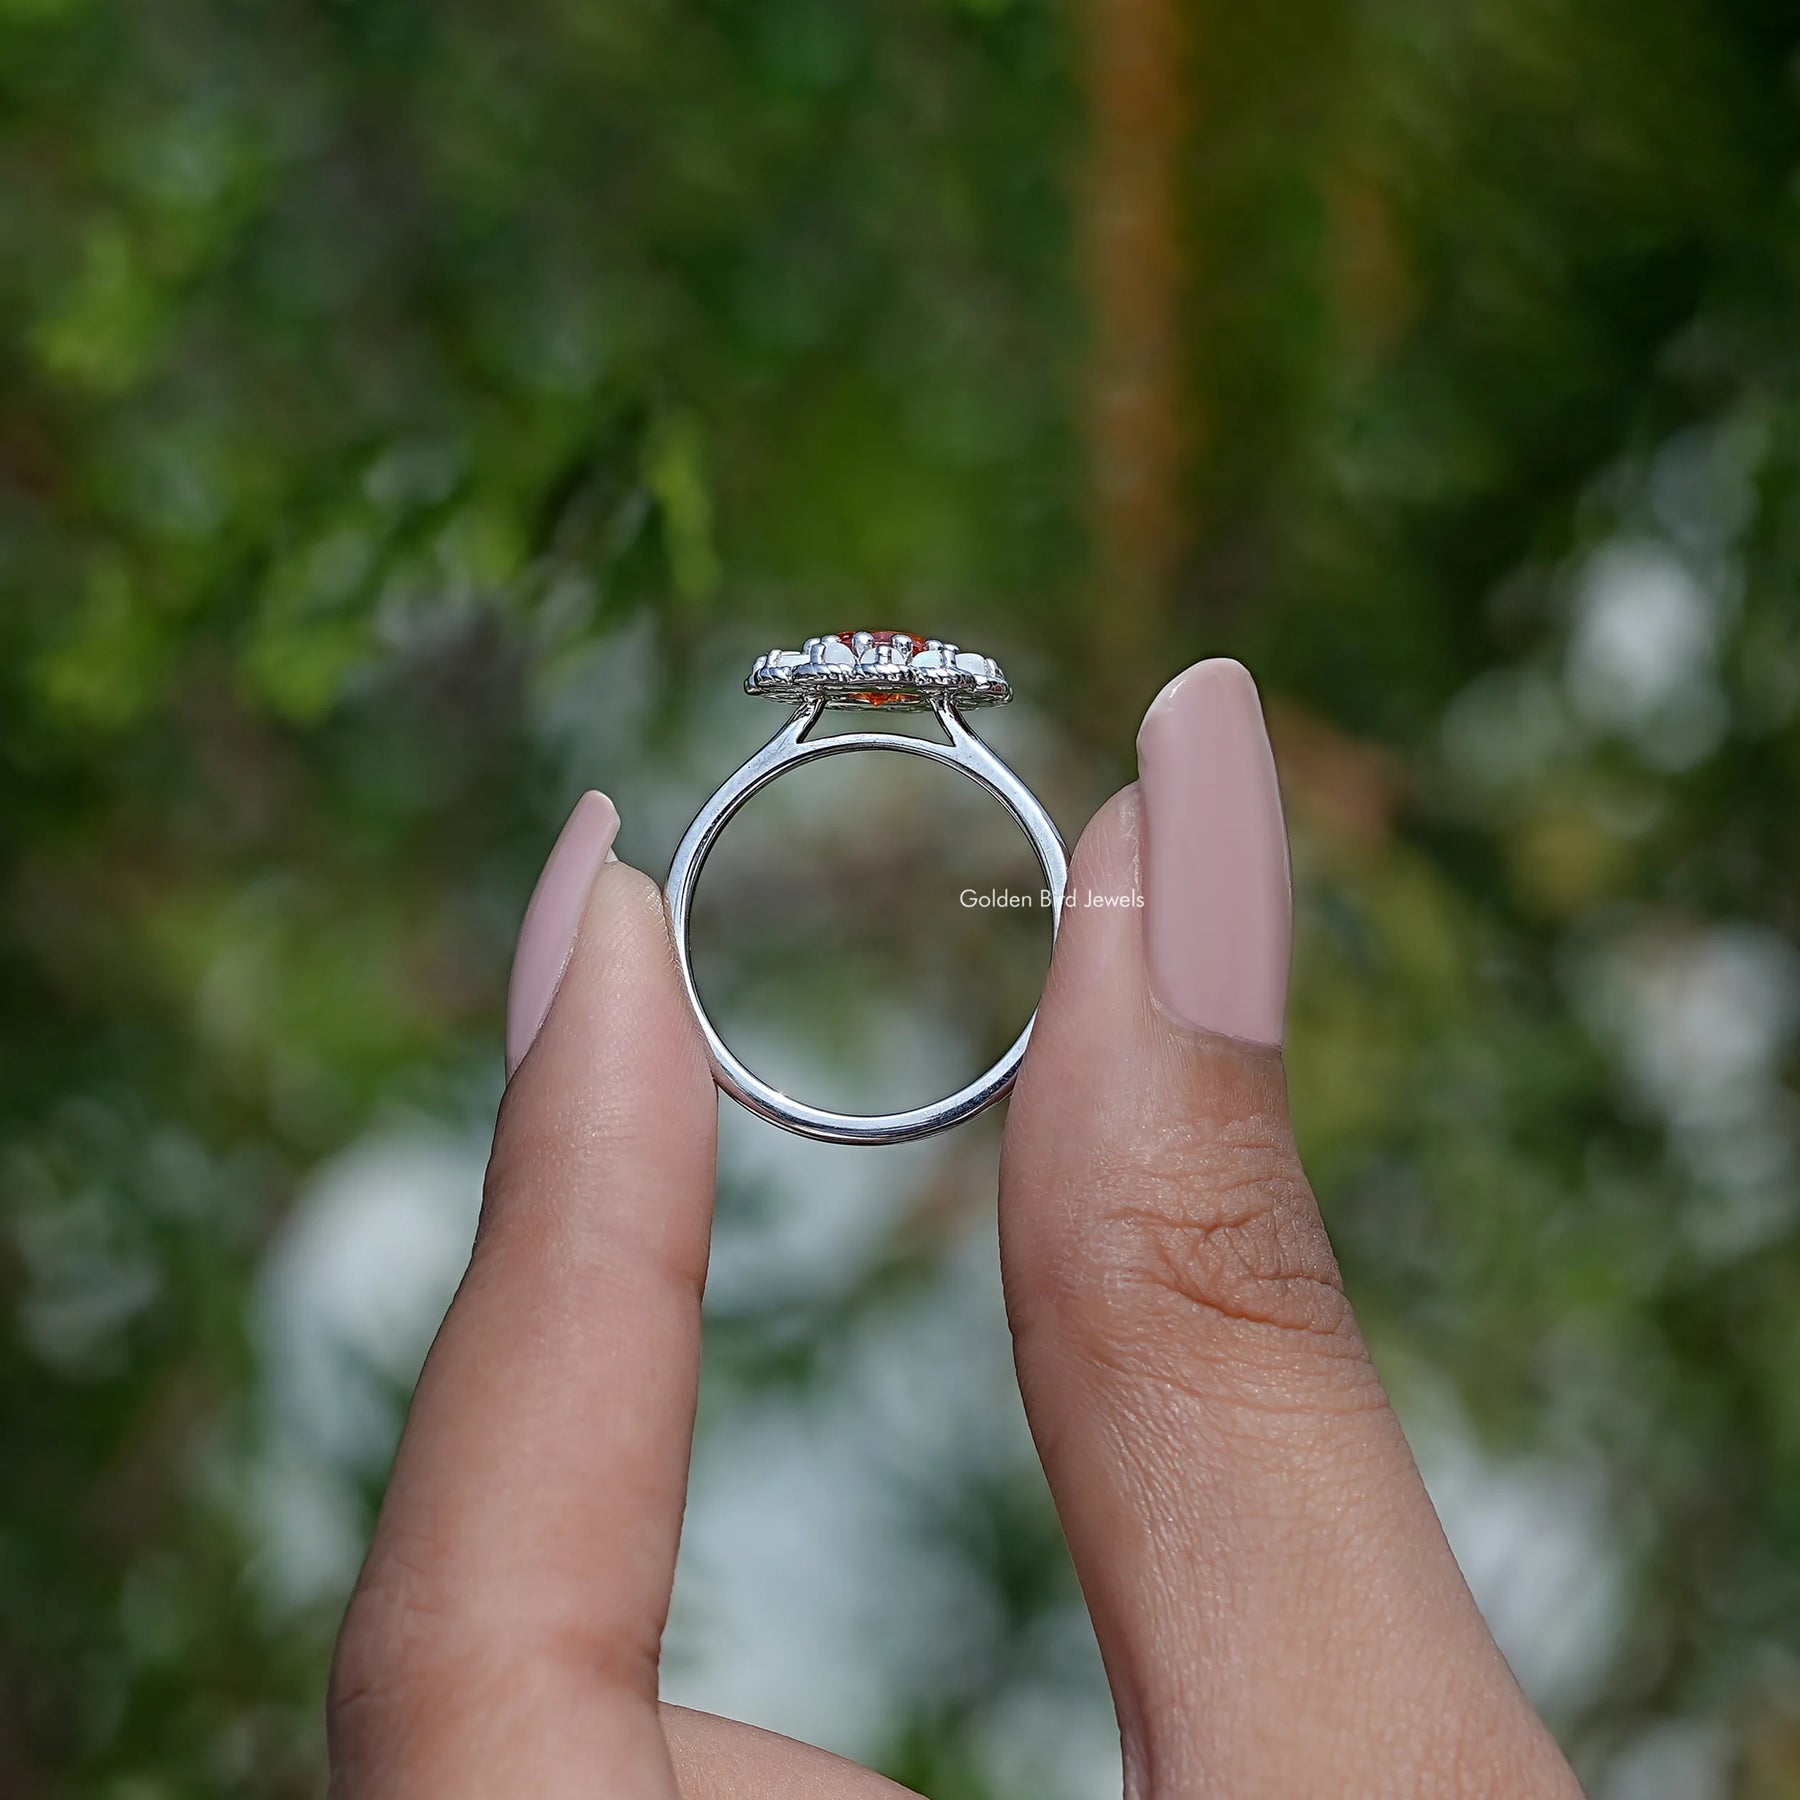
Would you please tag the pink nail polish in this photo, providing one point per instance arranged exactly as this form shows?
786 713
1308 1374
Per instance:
1218 899
552 919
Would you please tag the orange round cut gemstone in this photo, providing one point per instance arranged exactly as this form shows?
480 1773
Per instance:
885 637
868 696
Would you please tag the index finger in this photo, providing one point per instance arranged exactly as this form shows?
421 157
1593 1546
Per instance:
1274 1598
505 1632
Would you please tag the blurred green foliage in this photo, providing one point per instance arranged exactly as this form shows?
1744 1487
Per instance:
374 376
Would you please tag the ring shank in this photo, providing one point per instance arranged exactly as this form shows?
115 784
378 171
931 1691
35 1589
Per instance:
787 750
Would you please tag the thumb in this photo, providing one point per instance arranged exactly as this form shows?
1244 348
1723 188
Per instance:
504 1635
1278 1609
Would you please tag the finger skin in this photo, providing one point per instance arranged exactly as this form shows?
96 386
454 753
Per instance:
1277 1606
504 1636
719 1759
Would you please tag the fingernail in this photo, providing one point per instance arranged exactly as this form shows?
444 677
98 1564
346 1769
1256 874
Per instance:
1218 898
553 918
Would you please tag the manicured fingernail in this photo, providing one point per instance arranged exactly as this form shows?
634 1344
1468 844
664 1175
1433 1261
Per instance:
1218 899
552 919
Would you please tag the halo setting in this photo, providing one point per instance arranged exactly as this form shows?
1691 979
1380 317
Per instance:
878 668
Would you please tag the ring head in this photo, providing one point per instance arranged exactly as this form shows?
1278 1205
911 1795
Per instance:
878 668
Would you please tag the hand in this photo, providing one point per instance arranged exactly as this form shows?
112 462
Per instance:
1277 1607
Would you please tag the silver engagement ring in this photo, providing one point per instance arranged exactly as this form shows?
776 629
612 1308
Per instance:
864 669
